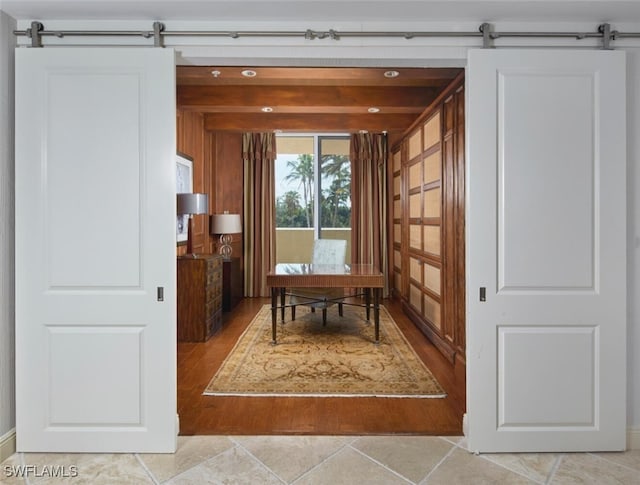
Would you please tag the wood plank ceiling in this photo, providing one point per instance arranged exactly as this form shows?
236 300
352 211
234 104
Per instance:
310 99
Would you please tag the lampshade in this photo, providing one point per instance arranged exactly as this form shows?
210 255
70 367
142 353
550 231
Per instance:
192 203
226 224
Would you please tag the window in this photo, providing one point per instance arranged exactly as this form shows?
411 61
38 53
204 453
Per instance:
308 165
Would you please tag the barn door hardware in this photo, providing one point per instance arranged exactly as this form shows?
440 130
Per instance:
604 34
607 36
158 39
34 32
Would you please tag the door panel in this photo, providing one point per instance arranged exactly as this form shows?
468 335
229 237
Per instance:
106 165
543 244
95 239
546 237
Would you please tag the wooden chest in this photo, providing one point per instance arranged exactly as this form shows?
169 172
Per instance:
199 297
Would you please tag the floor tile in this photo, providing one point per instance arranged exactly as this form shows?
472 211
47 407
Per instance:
91 468
536 466
10 471
230 467
629 458
322 460
192 450
413 457
585 468
348 467
291 456
462 467
456 440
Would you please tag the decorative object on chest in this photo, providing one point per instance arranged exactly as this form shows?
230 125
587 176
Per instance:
199 297
188 205
225 225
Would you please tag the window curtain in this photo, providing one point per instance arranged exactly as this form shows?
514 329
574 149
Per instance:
258 154
368 153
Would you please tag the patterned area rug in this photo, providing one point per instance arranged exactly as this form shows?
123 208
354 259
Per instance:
311 360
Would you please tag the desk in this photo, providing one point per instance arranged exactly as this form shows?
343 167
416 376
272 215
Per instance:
365 276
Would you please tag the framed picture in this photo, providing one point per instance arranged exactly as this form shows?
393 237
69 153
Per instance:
184 184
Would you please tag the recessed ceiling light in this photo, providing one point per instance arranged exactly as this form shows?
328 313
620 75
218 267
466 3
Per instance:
373 110
391 74
249 73
215 73
267 109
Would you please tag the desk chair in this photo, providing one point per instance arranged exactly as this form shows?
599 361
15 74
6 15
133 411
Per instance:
325 251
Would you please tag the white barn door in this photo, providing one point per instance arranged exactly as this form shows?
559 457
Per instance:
546 365
95 240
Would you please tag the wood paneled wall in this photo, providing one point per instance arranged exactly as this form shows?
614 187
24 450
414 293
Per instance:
190 142
227 182
217 171
428 245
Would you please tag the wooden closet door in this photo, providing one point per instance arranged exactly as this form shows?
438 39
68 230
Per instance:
428 173
423 178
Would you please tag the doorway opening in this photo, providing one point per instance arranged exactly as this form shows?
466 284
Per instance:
213 111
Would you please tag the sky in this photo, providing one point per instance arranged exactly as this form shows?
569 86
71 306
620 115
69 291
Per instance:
283 186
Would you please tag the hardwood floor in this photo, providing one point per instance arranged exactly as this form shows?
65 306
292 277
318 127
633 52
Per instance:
197 363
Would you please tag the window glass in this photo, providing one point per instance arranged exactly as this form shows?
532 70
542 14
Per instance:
313 193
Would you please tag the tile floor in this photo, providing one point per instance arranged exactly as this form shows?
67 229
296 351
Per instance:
325 460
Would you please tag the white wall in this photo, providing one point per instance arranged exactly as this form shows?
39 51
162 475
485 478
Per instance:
7 287
633 237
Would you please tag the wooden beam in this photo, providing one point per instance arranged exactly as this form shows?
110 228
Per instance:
309 122
358 97
308 76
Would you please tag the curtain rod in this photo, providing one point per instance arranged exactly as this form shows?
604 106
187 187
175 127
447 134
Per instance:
37 31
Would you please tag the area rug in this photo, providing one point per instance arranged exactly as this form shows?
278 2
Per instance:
337 360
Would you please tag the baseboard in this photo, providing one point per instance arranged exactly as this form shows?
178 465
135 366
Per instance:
633 439
465 425
175 448
7 445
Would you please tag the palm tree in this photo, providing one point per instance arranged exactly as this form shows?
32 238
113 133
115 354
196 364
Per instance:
339 168
301 170
334 164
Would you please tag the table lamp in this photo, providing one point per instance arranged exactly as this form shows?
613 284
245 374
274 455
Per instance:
225 225
190 204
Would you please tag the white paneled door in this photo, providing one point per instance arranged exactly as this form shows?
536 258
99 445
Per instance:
95 250
546 223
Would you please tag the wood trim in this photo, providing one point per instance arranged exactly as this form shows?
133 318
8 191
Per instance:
459 217
7 444
441 344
